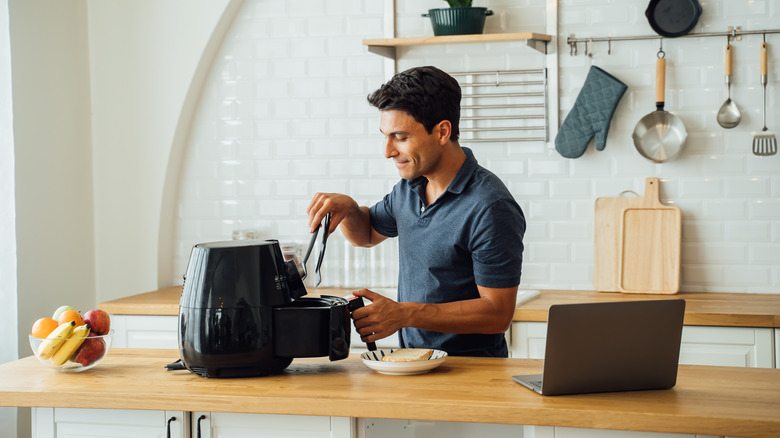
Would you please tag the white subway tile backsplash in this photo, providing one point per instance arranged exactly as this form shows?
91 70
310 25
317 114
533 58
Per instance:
707 231
713 253
570 189
748 275
571 231
725 209
284 114
698 188
529 189
546 210
748 231
766 209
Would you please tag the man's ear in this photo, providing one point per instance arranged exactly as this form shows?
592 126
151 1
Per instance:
444 131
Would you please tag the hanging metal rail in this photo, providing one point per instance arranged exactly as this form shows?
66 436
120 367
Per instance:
503 106
733 33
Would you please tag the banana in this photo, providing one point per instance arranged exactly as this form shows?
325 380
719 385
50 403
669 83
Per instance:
70 345
55 339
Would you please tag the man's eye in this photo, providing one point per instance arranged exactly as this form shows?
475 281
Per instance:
399 138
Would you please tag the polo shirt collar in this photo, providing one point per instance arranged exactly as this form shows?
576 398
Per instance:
464 173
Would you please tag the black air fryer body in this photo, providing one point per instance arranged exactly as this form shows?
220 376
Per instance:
241 313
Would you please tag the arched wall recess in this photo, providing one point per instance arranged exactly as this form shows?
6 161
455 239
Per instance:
165 248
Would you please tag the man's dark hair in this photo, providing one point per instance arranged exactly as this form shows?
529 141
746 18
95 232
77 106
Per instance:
427 94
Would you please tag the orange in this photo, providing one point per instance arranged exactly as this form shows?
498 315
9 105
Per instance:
43 327
71 315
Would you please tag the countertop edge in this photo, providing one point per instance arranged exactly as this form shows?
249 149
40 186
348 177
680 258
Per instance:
702 309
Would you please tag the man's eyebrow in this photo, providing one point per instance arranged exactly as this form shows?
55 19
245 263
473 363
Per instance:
394 132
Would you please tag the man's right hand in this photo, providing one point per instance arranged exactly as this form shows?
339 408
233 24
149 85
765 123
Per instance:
345 212
339 206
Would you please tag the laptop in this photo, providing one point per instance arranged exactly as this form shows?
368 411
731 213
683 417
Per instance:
606 347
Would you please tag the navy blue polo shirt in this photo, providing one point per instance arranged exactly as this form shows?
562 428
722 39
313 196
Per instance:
471 235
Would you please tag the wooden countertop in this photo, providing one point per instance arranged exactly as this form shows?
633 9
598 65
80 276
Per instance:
707 400
713 309
701 308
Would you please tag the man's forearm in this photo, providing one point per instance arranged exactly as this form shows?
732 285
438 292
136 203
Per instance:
478 315
356 227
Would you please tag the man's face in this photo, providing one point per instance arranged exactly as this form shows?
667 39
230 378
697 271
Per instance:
414 151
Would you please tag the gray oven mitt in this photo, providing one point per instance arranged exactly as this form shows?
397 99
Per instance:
591 114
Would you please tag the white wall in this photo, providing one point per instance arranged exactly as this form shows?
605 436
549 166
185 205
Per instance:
143 60
8 325
53 184
285 115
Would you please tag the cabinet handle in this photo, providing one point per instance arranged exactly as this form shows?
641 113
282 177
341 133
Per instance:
168 427
201 418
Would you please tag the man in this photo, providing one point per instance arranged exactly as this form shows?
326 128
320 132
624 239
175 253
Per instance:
460 232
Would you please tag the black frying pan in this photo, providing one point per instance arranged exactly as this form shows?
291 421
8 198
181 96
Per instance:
673 18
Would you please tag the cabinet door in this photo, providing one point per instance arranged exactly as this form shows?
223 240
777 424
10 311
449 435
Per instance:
231 425
727 346
528 340
145 331
108 423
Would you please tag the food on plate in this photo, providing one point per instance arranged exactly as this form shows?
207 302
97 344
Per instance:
70 345
408 355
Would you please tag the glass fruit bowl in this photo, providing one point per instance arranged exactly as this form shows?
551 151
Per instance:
89 353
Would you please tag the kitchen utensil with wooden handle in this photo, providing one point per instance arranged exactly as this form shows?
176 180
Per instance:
728 114
650 243
659 136
764 141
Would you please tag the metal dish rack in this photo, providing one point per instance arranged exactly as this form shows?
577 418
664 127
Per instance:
503 106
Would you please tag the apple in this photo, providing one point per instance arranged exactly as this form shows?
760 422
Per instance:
59 311
98 321
90 351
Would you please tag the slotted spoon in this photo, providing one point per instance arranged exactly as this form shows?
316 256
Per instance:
764 141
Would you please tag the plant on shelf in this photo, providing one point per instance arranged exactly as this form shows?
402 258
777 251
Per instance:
459 19
459 3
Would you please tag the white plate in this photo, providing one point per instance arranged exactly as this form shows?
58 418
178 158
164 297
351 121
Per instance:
373 360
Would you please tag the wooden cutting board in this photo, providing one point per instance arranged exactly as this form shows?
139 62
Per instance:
649 245
606 240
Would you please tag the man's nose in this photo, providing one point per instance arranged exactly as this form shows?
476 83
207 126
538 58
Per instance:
390 151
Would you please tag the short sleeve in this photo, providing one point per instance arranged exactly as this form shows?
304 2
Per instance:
383 218
497 251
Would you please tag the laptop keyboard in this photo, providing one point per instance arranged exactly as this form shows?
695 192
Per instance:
536 383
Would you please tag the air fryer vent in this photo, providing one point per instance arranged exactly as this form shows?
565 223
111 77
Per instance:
203 372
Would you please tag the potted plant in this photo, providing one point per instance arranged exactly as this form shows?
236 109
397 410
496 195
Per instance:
459 19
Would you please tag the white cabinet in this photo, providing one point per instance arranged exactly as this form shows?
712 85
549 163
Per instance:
230 425
108 423
391 428
117 423
573 432
701 345
728 346
388 428
145 331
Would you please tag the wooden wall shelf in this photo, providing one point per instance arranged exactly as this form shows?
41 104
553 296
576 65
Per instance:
387 47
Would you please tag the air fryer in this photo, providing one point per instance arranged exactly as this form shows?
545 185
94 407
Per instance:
242 313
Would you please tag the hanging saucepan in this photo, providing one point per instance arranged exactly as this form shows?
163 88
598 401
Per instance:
673 18
660 135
